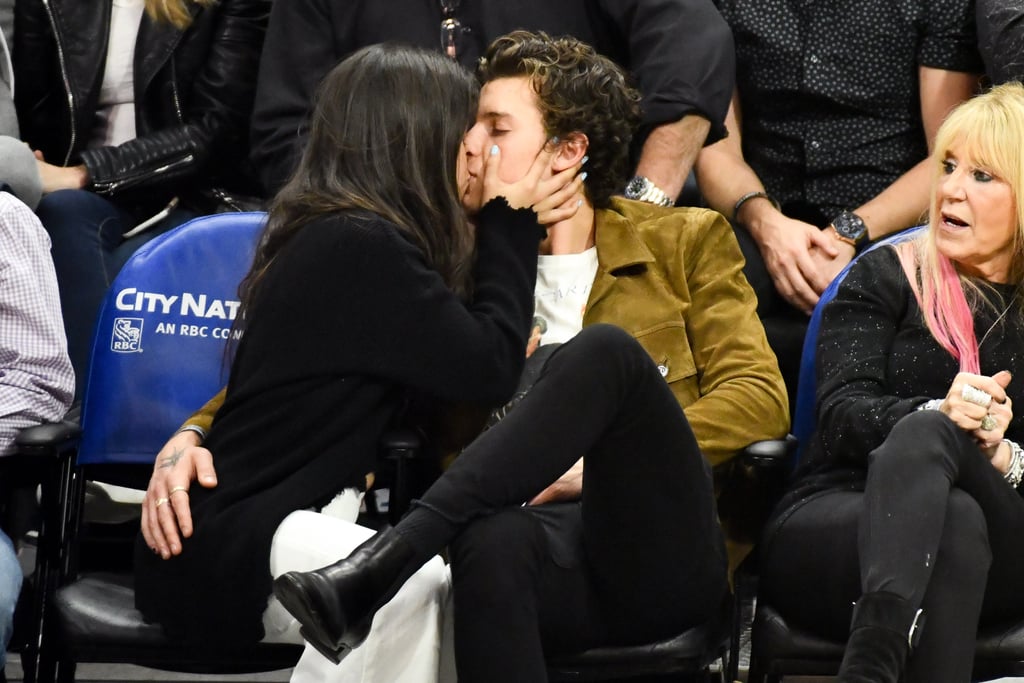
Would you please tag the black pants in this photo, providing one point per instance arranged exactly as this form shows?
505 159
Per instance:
936 524
640 556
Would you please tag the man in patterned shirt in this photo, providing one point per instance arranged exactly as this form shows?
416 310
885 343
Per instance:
834 112
36 379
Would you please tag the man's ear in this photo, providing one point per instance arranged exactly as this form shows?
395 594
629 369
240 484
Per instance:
570 151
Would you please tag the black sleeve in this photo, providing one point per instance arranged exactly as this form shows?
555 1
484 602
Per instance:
300 50
1001 39
682 57
369 304
35 60
856 405
218 110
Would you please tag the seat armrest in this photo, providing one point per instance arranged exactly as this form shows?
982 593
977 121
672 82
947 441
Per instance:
401 443
770 454
48 438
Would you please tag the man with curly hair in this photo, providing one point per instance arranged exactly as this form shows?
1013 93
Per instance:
534 580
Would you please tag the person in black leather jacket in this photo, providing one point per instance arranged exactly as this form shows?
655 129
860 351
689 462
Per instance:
138 111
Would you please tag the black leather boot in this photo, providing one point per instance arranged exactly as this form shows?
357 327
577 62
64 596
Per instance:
336 604
885 629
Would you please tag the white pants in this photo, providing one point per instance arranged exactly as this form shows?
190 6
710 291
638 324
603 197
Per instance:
405 640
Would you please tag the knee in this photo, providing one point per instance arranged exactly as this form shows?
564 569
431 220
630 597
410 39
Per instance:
64 212
605 346
922 439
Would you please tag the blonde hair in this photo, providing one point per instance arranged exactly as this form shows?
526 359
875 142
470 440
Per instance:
991 128
174 12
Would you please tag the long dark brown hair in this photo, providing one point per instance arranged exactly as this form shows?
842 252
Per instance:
385 136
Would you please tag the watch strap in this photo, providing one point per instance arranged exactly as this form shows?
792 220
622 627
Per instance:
643 189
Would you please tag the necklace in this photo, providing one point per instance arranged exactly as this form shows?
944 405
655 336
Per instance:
999 319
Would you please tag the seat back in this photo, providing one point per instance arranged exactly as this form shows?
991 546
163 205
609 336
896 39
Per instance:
159 348
805 416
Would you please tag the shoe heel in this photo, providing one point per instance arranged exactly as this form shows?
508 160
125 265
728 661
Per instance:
323 648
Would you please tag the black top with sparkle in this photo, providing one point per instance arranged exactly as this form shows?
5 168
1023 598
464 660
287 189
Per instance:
877 361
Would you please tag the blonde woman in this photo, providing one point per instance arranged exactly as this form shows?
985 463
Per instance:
914 507
138 111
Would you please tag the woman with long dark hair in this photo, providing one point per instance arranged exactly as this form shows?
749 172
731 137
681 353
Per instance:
369 290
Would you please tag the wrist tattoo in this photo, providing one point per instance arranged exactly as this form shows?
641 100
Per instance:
172 459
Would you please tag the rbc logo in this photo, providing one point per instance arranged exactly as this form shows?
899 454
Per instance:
127 336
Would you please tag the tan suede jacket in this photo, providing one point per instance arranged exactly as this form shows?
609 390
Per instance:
673 279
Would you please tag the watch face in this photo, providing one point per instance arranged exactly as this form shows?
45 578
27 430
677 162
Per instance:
636 187
849 225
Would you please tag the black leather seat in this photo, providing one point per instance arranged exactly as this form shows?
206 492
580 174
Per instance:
94 620
779 648
689 654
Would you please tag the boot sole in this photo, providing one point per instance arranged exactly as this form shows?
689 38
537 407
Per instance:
294 598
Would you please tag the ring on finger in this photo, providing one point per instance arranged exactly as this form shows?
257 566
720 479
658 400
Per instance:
988 423
161 501
973 394
176 489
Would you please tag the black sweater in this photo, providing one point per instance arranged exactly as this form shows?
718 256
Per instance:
877 361
348 321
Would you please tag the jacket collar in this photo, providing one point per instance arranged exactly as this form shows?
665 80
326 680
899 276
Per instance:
160 41
619 246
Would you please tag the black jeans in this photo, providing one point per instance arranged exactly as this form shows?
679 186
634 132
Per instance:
639 557
936 524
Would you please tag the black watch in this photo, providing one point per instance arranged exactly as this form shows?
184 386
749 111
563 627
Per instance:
850 228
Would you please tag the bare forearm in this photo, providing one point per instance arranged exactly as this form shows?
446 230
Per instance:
724 177
670 150
899 206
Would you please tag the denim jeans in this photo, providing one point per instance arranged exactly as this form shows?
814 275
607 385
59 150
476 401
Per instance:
10 586
88 251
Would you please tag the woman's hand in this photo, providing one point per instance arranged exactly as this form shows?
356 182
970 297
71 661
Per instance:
536 189
970 415
55 178
166 514
565 198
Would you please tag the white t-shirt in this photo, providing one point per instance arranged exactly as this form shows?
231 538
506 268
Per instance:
115 120
560 295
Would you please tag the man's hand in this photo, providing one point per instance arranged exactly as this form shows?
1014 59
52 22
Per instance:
166 515
787 245
569 486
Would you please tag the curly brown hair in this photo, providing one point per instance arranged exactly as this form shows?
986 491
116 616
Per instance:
578 90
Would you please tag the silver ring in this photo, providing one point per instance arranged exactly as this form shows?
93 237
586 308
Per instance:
176 489
988 423
160 501
974 395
